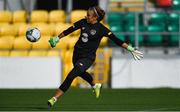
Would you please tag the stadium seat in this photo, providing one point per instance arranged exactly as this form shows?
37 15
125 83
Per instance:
173 18
38 16
158 18
8 30
129 19
42 43
37 53
5 17
155 39
19 16
77 15
71 42
15 53
57 16
131 38
173 38
116 27
22 43
60 27
53 53
46 29
4 53
63 43
176 5
6 42
22 29
115 18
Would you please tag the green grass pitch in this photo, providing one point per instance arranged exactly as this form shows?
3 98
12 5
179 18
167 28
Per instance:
83 100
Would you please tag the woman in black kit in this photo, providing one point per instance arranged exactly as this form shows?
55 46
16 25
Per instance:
85 48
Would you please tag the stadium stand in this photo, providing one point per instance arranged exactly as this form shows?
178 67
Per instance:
16 53
53 53
5 17
35 53
6 42
22 43
19 16
38 16
8 30
76 15
42 43
46 29
4 53
57 16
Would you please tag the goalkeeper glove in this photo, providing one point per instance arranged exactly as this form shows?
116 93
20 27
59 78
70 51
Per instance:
53 41
137 55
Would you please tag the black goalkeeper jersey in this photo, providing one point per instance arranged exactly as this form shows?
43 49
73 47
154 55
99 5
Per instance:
90 37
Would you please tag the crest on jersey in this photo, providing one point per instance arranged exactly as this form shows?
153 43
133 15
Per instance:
84 37
93 32
83 28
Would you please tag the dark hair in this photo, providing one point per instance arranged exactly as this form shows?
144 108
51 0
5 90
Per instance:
100 13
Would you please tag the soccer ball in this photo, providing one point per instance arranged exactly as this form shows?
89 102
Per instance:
33 34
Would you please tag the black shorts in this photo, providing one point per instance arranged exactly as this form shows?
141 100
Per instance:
83 62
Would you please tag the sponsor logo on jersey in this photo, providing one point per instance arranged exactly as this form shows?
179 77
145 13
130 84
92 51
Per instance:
83 28
92 31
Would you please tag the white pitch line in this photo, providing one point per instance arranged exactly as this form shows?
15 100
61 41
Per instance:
159 109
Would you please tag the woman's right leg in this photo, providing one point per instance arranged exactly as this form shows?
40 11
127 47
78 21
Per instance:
87 77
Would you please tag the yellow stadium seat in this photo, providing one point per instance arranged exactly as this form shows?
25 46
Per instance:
39 16
37 53
68 56
5 17
53 53
4 52
19 53
8 30
60 27
22 29
77 15
42 43
6 42
19 16
63 43
46 29
57 16
22 43
72 41
4 24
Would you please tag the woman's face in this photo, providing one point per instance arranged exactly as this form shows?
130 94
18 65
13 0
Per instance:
90 17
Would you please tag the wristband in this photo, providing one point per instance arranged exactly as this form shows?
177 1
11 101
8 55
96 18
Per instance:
129 48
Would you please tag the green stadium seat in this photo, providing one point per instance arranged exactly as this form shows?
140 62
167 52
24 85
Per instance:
155 39
157 18
173 18
129 18
176 5
116 28
131 28
173 38
115 18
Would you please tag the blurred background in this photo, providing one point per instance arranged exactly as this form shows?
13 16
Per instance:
149 25
152 26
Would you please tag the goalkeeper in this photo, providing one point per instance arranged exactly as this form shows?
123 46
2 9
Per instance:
85 48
